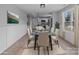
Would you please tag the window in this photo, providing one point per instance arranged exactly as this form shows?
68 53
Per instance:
68 20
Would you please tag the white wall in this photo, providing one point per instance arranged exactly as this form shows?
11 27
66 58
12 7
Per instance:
10 33
78 31
68 35
55 18
34 22
60 17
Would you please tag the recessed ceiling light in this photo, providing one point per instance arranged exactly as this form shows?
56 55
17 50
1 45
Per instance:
42 5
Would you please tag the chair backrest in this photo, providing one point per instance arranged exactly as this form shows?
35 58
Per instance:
43 39
28 32
56 31
47 27
30 28
52 30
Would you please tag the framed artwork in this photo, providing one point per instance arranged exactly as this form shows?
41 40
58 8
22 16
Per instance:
12 18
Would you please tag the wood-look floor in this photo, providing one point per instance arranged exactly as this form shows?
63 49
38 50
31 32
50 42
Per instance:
20 48
65 48
17 48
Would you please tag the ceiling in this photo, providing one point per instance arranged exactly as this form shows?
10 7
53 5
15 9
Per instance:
35 9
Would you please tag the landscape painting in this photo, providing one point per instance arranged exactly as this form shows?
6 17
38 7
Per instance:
12 18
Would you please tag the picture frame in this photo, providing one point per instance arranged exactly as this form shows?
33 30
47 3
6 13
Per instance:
12 18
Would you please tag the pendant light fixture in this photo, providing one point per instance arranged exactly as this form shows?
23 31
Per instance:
42 5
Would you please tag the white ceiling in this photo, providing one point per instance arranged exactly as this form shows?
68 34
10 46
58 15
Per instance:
35 8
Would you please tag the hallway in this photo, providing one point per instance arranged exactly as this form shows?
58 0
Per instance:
19 23
39 29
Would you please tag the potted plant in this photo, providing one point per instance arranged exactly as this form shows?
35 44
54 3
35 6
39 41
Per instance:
57 26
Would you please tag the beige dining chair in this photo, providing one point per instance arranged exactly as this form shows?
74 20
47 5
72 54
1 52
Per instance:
52 30
30 37
55 37
43 41
30 28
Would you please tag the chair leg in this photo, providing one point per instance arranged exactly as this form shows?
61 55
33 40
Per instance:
58 43
48 50
35 44
38 50
28 43
50 41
